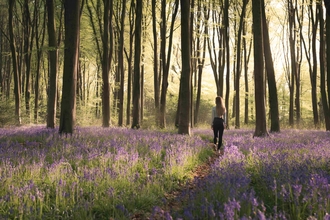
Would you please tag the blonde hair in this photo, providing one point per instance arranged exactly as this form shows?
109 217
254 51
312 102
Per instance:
220 106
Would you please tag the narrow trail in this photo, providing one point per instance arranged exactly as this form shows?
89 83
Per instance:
171 199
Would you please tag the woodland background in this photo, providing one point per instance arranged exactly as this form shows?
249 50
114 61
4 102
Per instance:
161 63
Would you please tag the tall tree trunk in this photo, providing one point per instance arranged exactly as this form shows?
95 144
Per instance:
325 73
260 129
106 59
185 81
166 57
121 70
28 44
53 65
238 64
15 63
273 100
201 56
247 54
155 63
39 43
68 104
313 74
227 57
292 41
137 67
129 56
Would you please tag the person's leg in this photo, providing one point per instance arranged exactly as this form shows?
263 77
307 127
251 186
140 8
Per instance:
221 129
215 134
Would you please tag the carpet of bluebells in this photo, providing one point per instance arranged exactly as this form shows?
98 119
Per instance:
118 173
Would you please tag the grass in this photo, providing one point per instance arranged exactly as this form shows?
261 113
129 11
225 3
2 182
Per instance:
116 173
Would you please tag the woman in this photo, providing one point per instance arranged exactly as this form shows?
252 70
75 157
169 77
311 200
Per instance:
218 121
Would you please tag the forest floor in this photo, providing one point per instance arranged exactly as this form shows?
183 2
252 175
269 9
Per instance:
171 199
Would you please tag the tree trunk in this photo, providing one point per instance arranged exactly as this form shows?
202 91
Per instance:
325 73
15 63
121 70
260 129
53 65
273 100
166 59
292 41
247 54
155 63
129 57
227 57
137 68
28 44
313 74
185 81
39 43
106 59
238 64
68 104
201 58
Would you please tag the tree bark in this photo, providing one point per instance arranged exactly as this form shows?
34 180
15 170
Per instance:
238 64
260 129
17 86
68 104
325 73
137 67
155 63
121 70
106 64
273 100
185 82
166 59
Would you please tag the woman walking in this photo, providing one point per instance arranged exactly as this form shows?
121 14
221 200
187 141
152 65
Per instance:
218 121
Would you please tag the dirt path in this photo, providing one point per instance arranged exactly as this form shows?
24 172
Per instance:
172 203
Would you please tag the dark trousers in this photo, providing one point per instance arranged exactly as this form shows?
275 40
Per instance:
218 128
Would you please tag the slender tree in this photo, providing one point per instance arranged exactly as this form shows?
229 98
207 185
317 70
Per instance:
39 38
71 44
273 100
201 44
260 129
166 57
155 61
325 73
17 86
185 82
121 70
137 67
28 44
238 63
106 40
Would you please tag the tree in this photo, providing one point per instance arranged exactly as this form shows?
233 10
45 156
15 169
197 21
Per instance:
166 57
201 42
325 73
273 100
40 38
155 61
238 64
137 68
17 87
185 82
313 73
121 70
28 44
53 65
106 59
71 43
260 129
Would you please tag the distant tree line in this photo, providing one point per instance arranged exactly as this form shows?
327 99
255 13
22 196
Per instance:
73 53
